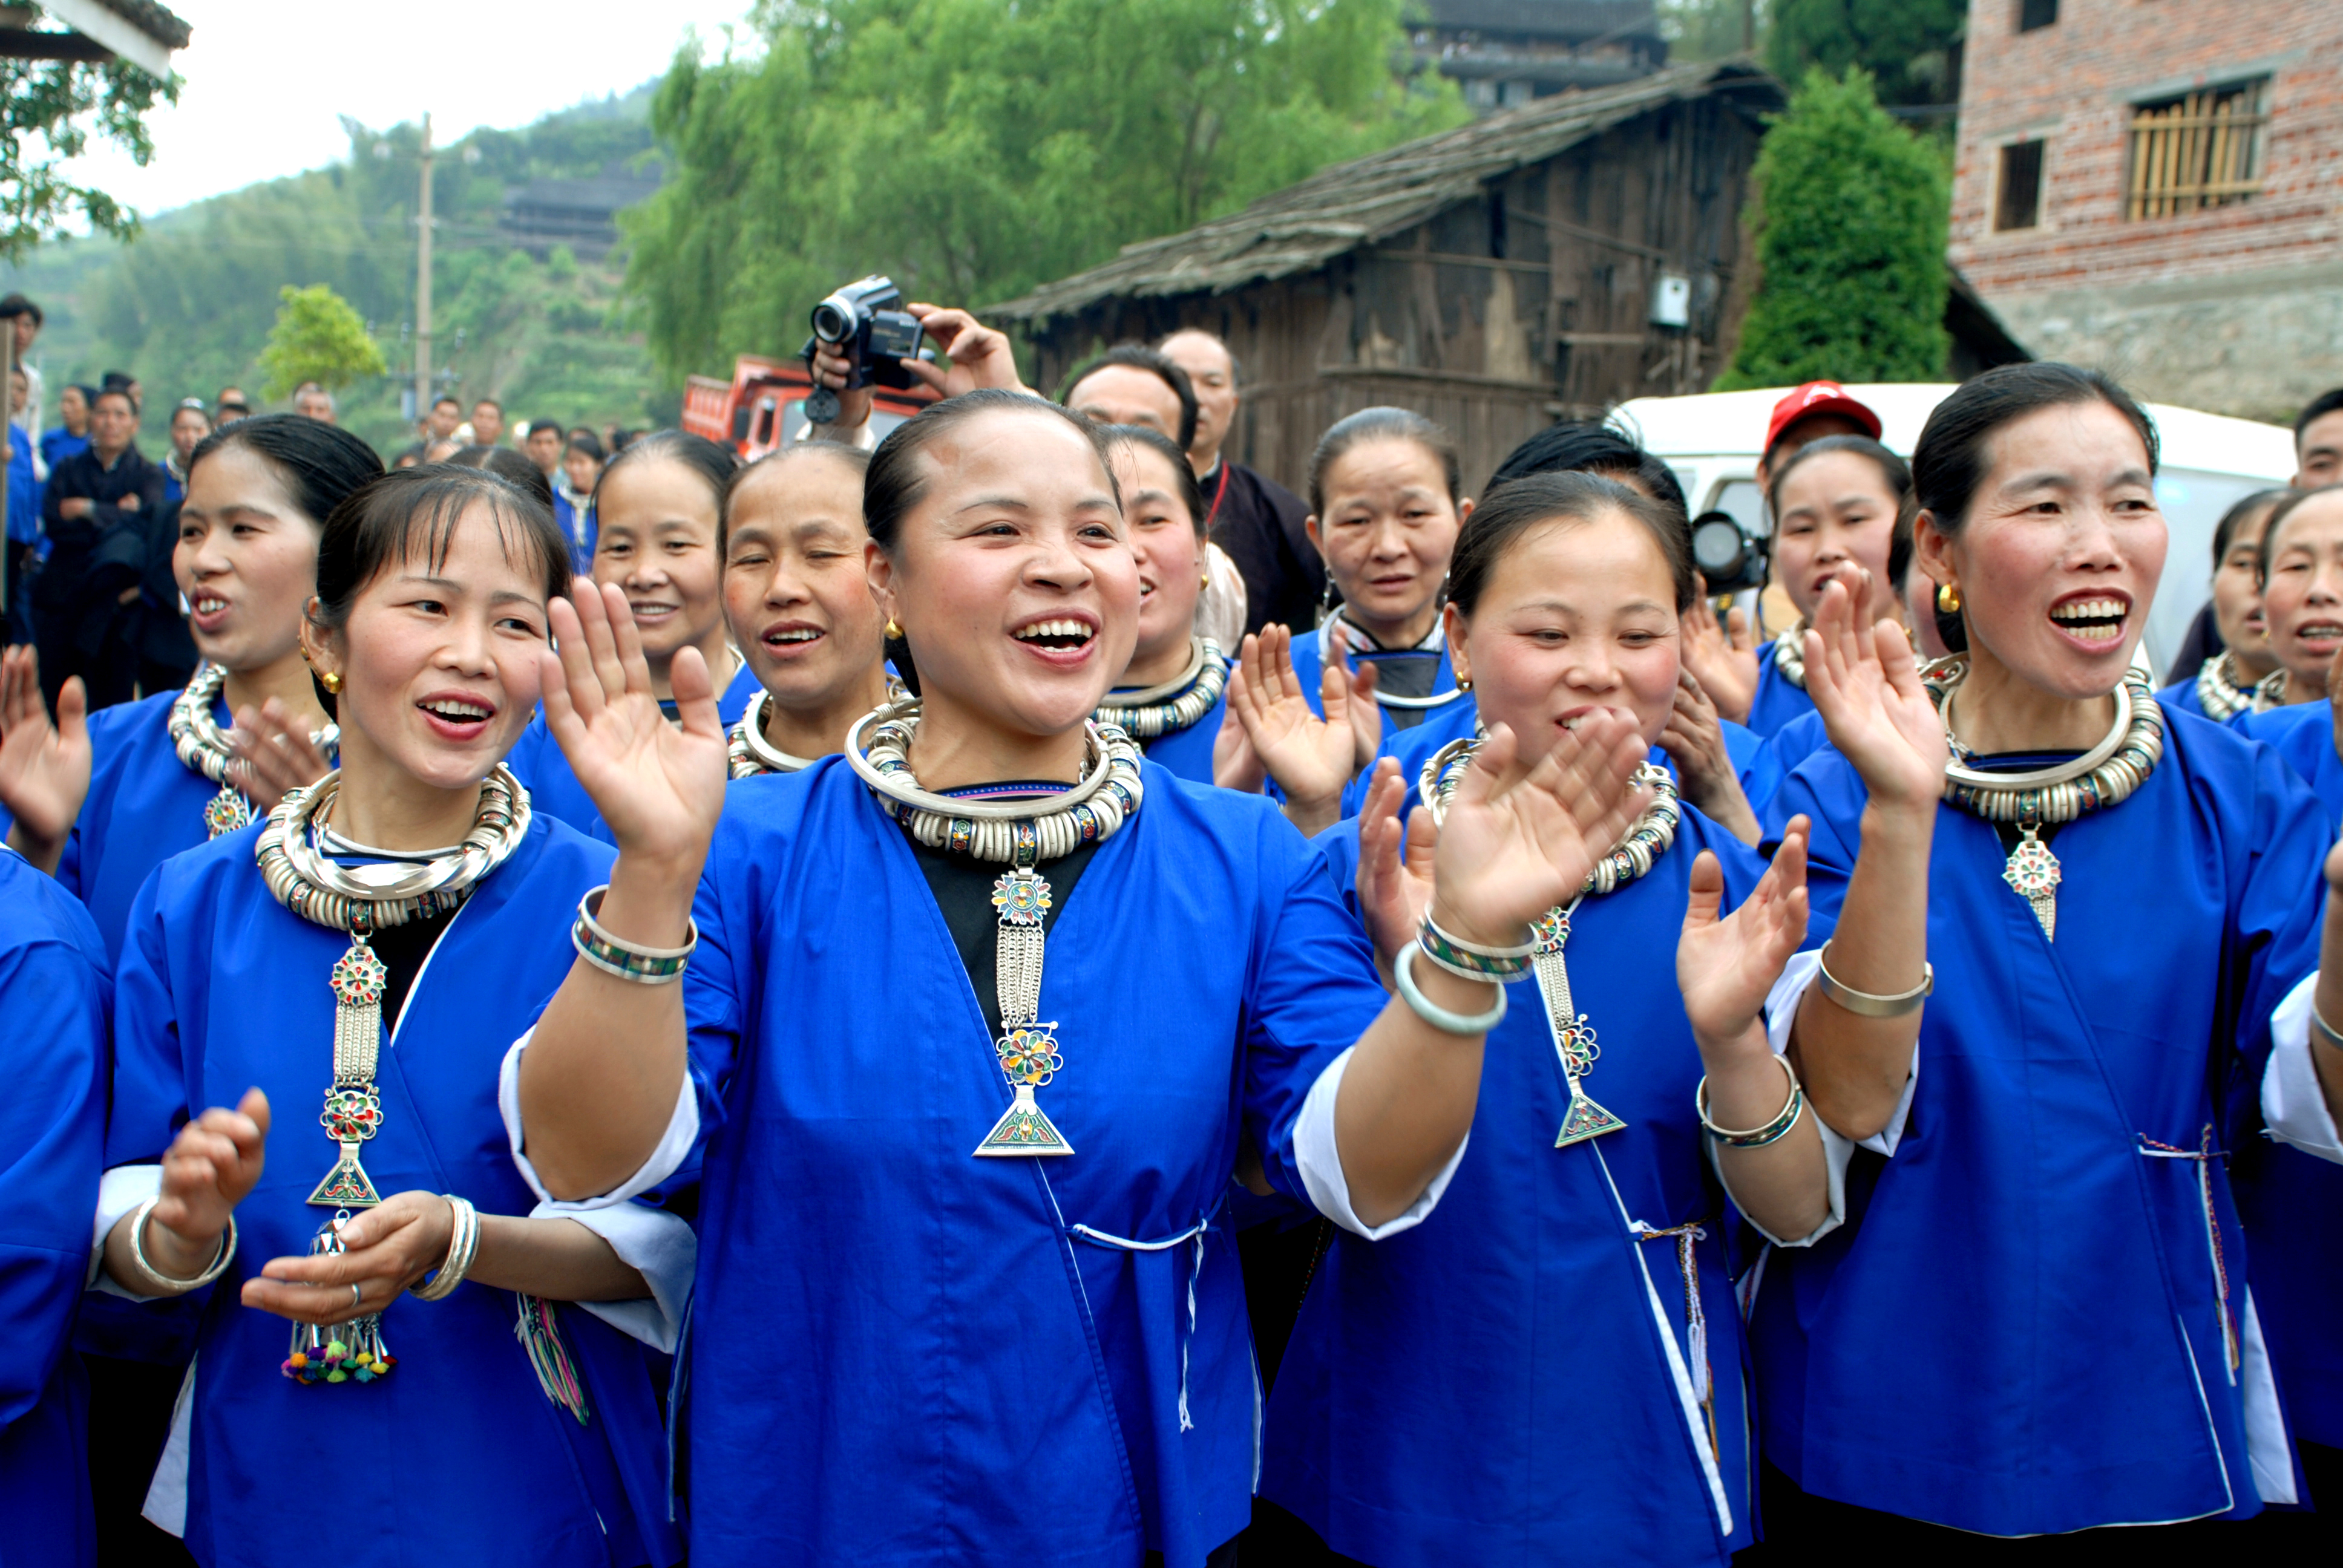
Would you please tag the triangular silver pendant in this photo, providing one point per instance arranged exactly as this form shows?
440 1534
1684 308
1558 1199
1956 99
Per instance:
1584 1120
346 1185
1023 1129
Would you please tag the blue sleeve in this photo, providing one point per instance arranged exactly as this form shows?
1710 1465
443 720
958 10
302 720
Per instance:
1311 993
150 1070
719 990
2280 907
53 1015
1830 795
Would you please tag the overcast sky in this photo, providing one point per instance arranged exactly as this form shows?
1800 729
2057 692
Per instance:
266 80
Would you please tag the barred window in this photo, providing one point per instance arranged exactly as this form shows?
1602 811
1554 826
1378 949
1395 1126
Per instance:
2020 198
2198 150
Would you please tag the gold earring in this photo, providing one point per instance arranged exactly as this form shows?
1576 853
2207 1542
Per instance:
331 680
1204 583
1465 684
1948 598
894 632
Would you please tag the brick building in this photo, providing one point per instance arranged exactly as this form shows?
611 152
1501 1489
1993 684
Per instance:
2155 186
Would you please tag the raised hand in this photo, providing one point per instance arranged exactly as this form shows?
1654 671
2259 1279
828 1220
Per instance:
1694 741
2335 688
209 1168
1358 683
1234 764
44 767
658 786
1726 965
273 754
1519 838
1312 757
980 356
1723 658
386 1248
1866 686
1395 865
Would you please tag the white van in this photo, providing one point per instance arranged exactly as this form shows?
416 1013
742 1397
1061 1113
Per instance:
2209 460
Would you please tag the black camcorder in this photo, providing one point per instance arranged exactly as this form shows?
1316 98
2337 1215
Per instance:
866 321
1731 558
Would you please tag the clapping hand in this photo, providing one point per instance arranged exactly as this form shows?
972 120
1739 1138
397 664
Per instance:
659 787
209 1168
273 754
1311 757
384 1250
1726 965
1866 686
1723 658
44 767
1520 837
1395 865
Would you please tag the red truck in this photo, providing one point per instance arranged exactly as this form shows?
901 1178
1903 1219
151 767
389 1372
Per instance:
764 405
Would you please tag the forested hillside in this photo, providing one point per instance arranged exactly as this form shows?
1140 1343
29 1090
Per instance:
187 306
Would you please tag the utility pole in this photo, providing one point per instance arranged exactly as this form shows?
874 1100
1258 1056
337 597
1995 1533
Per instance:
1748 47
423 286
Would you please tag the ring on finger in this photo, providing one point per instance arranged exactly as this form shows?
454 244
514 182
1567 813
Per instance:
356 1294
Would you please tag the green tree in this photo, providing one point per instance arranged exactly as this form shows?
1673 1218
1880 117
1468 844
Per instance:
317 337
973 148
1850 247
1712 29
1911 47
54 106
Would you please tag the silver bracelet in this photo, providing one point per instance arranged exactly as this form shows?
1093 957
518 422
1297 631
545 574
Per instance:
1432 1012
627 961
164 1283
1863 1004
1793 1106
2325 1027
463 1241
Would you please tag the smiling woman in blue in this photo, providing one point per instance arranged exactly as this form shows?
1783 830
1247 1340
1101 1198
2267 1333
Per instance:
974 1021
388 1291
2039 1317
1575 1292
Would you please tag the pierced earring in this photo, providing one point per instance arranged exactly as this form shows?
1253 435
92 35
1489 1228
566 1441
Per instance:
1204 583
331 680
1465 684
894 632
1948 599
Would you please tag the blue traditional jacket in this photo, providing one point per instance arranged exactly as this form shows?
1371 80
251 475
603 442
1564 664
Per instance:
901 1353
55 1001
2036 1317
1551 1367
464 1457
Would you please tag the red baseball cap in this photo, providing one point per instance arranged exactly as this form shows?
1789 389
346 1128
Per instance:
1817 398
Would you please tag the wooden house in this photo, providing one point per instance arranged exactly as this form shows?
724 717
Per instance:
1545 261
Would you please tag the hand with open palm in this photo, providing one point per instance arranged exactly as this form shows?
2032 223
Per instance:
658 786
44 767
1518 837
1395 865
1310 757
1723 658
1866 686
1726 965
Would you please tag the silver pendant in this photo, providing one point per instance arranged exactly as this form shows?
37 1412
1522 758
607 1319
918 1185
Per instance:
1574 1038
1023 1129
2032 875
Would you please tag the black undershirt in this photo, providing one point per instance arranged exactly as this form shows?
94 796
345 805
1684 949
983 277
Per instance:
402 950
962 886
1404 672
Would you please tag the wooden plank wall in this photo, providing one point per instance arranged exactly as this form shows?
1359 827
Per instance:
1495 317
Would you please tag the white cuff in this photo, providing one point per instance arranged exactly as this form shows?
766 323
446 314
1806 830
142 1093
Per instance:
658 1243
2294 1103
682 1132
1321 1163
1798 976
119 1191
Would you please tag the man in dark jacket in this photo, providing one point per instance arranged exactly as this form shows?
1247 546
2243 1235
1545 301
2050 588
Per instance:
1255 519
85 602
